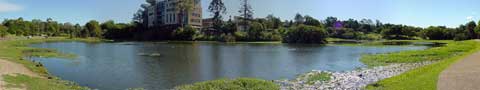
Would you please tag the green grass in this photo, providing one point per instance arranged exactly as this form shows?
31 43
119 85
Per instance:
323 76
433 54
33 83
232 84
423 78
14 50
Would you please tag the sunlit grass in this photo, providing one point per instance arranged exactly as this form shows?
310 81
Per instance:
34 83
323 76
423 78
232 84
16 49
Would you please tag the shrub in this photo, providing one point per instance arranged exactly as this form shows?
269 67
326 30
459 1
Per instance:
187 33
436 33
3 31
306 34
232 84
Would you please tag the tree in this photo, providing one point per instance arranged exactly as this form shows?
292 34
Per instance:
306 34
311 21
184 7
247 14
186 33
477 30
93 28
67 28
76 31
299 19
140 17
109 25
52 27
3 31
246 10
471 29
437 33
273 22
330 21
217 8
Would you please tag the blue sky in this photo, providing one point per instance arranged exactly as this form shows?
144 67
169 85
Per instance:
421 13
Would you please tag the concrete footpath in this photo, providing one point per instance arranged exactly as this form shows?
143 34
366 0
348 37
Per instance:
462 75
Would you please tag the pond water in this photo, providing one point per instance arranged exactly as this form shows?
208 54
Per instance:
158 66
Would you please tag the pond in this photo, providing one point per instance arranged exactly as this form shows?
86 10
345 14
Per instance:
162 65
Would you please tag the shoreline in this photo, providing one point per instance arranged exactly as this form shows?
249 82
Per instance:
349 80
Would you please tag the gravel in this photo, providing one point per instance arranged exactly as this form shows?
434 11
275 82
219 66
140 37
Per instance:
350 80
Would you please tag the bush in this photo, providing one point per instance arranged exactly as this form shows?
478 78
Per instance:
227 38
460 37
187 33
306 34
436 33
229 84
3 31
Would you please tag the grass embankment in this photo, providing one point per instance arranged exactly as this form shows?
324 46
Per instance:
323 76
16 49
423 78
232 84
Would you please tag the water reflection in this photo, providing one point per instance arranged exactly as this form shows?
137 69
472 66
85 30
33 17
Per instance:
114 66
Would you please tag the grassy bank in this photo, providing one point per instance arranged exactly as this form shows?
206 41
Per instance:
232 84
423 78
16 49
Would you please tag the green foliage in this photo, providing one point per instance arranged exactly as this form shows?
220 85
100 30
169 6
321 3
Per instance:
312 21
258 32
217 8
323 76
391 31
187 33
426 77
16 50
437 33
34 83
229 84
3 31
94 29
470 28
432 54
306 34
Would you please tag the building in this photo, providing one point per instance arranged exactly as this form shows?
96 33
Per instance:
164 13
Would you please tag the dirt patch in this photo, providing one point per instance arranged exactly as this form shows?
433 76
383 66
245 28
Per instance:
11 68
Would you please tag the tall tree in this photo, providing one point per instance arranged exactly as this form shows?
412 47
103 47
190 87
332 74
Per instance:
247 14
477 30
217 8
273 22
299 19
52 27
3 31
330 21
311 21
471 29
94 28
184 7
246 10
140 17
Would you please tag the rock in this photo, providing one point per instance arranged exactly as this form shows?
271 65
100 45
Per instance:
350 80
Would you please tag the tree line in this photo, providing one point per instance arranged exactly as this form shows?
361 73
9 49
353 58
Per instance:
301 29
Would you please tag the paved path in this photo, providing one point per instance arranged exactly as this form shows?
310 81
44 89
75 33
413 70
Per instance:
11 68
462 75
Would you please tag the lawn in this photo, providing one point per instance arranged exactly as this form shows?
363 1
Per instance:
15 50
423 78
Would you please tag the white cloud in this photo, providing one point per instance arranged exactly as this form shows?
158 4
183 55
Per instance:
470 18
9 7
